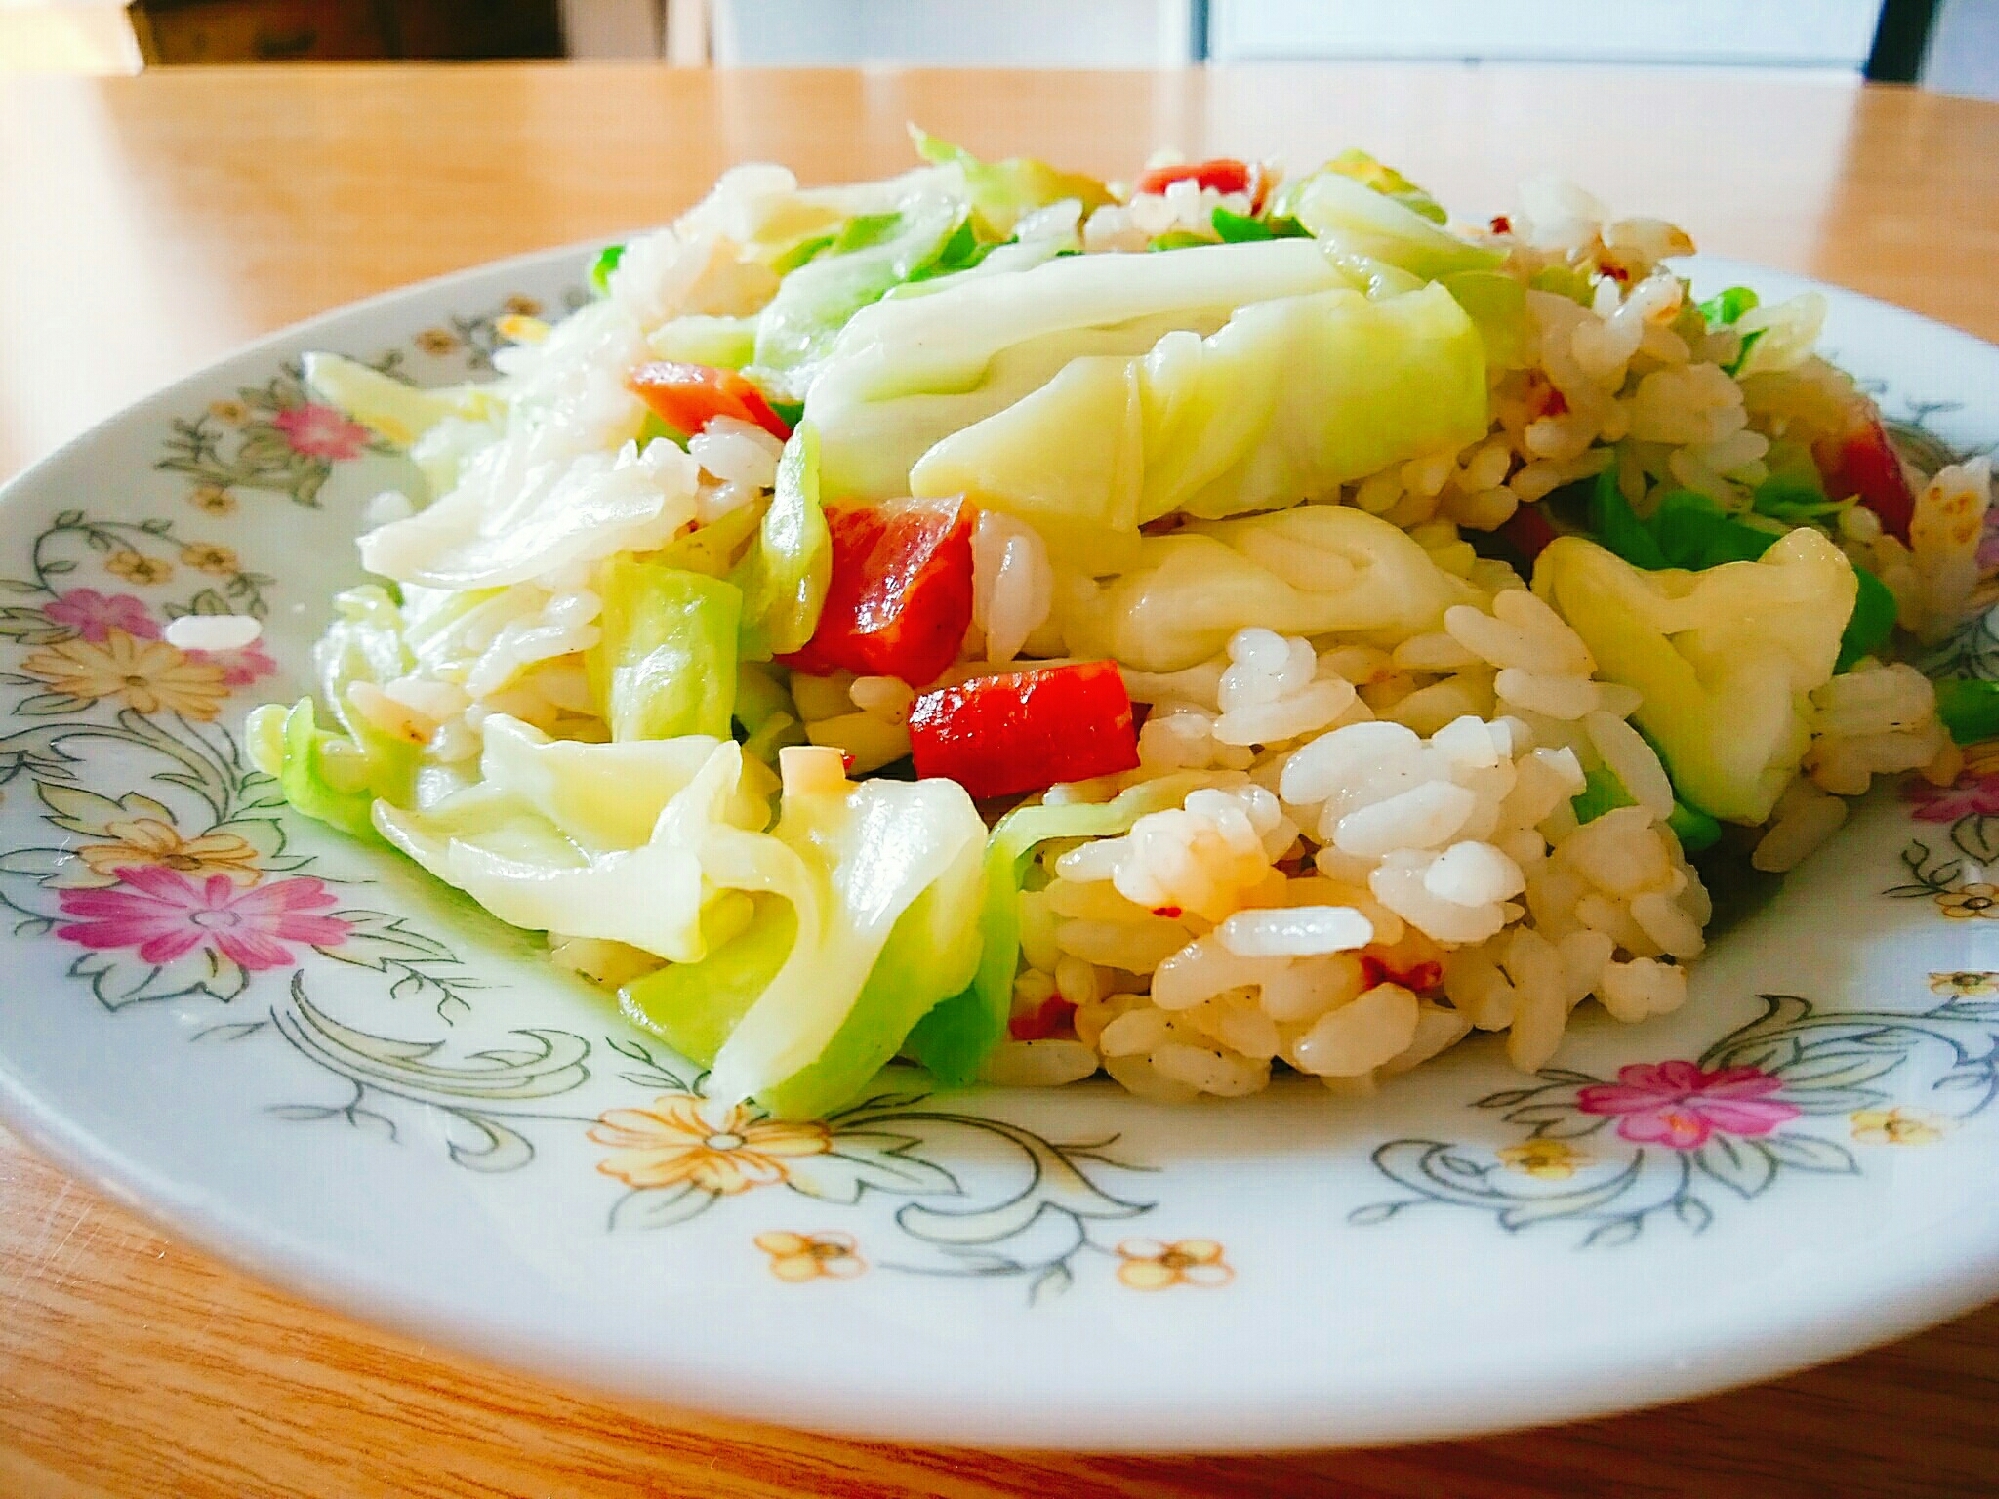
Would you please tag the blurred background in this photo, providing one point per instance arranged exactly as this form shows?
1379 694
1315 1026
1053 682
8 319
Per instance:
1949 45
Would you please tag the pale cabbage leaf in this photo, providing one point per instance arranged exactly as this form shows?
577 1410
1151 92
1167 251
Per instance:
907 372
1305 571
1726 657
1288 400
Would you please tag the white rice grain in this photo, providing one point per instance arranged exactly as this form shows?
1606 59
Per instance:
1078 981
1350 758
1013 583
1642 988
1438 1029
1634 762
1473 874
886 698
213 632
1205 968
1135 946
1619 852
1295 932
1307 988
736 452
1437 651
1541 1009
1047 1063
1360 1036
1584 954
1312 708
1135 1033
1221 1073
1805 818
1421 818
1563 697
1138 1075
1667 924
1398 885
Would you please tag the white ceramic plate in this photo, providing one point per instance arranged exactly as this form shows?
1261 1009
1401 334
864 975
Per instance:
300 1053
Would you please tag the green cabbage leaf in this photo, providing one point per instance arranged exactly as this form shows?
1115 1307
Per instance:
1354 217
870 254
1289 399
335 774
1004 192
393 409
784 575
953 1038
1726 658
665 659
612 841
873 920
909 371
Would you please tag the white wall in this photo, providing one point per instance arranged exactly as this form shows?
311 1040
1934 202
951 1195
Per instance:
1821 33
1963 55
981 33
1964 49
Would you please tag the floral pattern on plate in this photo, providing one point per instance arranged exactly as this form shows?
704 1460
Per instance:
1664 1135
273 437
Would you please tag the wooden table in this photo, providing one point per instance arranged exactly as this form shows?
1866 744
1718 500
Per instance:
148 224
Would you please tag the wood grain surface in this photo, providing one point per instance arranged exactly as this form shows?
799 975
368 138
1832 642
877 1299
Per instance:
148 224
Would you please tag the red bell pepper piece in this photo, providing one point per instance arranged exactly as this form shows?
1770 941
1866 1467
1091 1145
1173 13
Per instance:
1025 730
1224 174
900 597
689 396
1054 1016
1863 462
1424 976
1529 531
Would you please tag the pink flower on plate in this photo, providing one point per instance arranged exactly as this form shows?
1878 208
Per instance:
94 615
321 432
241 666
164 916
1970 794
1677 1105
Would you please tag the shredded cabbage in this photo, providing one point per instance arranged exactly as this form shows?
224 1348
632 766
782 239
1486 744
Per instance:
695 1005
798 327
1497 304
655 844
1306 571
511 519
665 659
764 708
1004 192
699 338
593 840
1366 221
870 921
908 372
323 774
335 774
393 409
1726 658
929 951
1289 399
784 575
